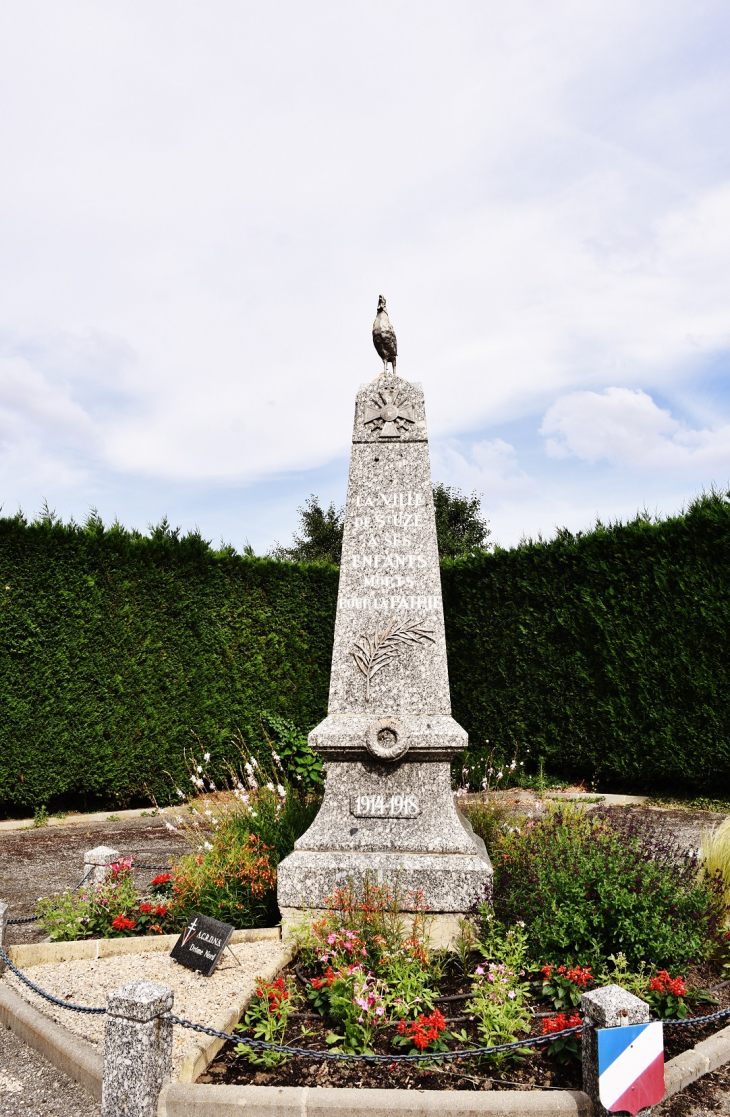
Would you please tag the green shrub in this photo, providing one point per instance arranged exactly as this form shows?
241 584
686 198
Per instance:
601 652
587 890
119 650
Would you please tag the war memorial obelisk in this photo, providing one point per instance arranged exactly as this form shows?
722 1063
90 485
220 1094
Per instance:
388 738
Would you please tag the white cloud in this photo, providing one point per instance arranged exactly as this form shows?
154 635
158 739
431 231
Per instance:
626 427
199 209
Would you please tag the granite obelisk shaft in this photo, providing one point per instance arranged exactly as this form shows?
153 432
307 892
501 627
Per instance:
388 810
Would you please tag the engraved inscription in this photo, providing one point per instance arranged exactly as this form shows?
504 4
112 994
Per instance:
373 653
385 806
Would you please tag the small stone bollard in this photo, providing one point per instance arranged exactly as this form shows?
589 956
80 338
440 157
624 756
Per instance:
3 929
99 858
607 1007
137 1049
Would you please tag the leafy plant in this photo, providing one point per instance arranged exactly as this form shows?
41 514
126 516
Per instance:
667 996
565 985
267 1018
567 1048
424 1034
587 890
489 820
40 817
302 766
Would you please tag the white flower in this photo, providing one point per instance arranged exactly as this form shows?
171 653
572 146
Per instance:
281 790
499 775
199 769
270 786
248 768
209 813
254 762
171 827
212 785
207 845
180 793
206 758
512 766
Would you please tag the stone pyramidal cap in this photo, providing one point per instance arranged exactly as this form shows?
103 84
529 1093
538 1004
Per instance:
388 809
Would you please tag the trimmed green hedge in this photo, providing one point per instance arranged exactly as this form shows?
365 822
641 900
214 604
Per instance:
116 648
605 653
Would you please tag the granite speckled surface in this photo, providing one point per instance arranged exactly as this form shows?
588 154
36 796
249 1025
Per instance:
389 691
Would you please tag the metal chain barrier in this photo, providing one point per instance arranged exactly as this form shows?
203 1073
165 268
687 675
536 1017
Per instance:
339 1056
41 992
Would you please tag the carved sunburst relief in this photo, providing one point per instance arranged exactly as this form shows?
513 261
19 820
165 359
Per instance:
373 653
389 414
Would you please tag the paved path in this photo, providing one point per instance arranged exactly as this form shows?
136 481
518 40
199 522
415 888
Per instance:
29 1085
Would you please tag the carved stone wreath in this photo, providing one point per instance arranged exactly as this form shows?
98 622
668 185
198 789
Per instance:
389 414
387 739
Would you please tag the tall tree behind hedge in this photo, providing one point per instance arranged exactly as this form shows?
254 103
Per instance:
117 648
607 653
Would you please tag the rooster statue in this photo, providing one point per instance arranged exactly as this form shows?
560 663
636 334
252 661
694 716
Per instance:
384 337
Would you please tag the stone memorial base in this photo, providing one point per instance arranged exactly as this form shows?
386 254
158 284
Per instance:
391 822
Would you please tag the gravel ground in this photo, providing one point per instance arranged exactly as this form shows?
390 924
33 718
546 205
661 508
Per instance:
200 999
41 862
31 1086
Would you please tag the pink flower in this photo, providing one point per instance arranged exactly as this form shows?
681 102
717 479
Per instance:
480 970
379 1010
332 938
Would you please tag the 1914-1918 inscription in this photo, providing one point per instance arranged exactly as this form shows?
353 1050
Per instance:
385 806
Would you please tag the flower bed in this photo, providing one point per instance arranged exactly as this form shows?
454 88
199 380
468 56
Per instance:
113 908
367 984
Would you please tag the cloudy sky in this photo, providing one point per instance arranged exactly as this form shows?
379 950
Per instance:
201 202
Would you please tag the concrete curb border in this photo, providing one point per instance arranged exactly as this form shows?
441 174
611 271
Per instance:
313 1101
40 953
66 1051
183 1098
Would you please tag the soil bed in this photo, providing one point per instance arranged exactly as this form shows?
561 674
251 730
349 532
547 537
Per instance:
536 1070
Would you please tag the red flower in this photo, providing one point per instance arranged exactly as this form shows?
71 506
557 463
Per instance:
160 910
316 982
145 908
557 1023
163 878
546 971
121 923
424 1030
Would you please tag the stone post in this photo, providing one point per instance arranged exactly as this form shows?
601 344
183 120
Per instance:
608 1007
3 929
137 1049
99 858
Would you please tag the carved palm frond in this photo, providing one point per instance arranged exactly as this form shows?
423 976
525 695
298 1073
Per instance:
373 653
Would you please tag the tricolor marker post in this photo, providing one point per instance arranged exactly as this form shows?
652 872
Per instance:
623 1053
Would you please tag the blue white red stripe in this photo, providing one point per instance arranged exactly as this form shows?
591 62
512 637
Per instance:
631 1067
